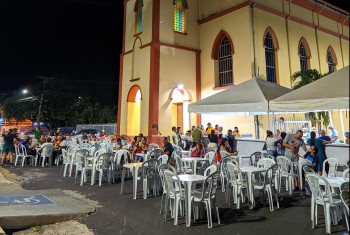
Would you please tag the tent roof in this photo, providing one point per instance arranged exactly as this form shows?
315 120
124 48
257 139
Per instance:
327 93
250 96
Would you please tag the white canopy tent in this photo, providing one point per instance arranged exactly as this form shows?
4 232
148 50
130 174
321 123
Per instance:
251 96
330 92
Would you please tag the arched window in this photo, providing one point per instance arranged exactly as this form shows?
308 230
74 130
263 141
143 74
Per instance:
138 16
270 58
304 55
180 7
225 63
331 60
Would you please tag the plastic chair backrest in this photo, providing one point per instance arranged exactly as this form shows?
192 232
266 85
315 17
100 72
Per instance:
178 163
346 174
163 159
99 152
155 153
224 153
118 157
284 164
24 150
149 168
47 150
234 173
80 156
266 155
210 169
210 156
85 145
171 185
209 186
104 161
308 170
265 163
333 165
17 151
270 175
319 194
254 158
65 156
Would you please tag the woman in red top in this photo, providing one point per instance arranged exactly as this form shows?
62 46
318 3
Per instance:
196 151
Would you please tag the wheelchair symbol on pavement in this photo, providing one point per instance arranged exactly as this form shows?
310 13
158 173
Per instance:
28 201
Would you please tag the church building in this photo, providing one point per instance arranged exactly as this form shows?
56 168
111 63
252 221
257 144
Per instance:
176 52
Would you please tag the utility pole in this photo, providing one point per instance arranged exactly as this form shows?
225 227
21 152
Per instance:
45 80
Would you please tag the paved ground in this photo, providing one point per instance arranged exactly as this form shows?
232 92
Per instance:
120 214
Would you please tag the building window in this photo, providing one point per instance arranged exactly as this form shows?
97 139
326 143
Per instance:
331 60
180 7
270 58
138 16
225 63
303 58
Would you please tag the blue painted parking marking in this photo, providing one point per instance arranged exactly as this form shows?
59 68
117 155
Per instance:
19 200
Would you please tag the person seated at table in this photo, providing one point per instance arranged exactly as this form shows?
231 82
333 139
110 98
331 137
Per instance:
213 140
346 134
312 160
42 139
236 132
188 140
168 150
144 144
137 148
197 150
117 145
313 141
30 147
84 137
47 143
92 137
124 140
57 147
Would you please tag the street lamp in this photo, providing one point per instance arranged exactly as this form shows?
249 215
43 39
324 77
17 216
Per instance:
25 91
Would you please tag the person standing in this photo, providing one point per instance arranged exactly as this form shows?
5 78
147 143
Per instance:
168 150
270 145
292 144
197 135
209 128
38 132
213 140
8 148
236 133
333 134
174 136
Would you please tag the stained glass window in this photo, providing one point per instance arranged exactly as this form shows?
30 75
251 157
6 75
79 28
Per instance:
225 63
331 60
180 7
270 58
303 58
138 16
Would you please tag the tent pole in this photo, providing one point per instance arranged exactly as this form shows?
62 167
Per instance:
251 124
273 124
268 117
330 117
342 123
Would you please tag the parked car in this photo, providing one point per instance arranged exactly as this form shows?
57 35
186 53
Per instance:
79 134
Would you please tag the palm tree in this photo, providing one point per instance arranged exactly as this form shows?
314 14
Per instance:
303 78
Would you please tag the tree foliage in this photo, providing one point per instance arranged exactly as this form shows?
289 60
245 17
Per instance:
63 104
303 78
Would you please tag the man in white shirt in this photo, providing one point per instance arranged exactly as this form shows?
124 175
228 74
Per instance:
175 137
333 134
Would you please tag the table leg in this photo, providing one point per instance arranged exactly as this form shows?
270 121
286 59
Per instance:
134 178
194 166
300 176
250 190
93 172
71 166
122 184
188 189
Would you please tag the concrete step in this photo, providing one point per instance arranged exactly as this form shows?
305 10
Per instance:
27 208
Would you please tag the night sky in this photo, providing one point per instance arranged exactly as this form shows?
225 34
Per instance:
75 40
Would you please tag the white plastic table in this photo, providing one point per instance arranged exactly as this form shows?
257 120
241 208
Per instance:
240 156
185 153
134 167
249 170
334 182
188 180
194 161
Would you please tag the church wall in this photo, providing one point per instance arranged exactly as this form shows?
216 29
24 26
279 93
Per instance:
209 7
167 34
177 67
239 32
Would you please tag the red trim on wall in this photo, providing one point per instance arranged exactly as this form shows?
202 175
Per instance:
345 38
303 22
322 29
153 116
274 37
217 42
270 10
179 47
121 58
224 12
198 84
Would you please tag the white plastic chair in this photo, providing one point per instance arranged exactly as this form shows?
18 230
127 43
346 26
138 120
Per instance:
210 156
223 170
66 162
163 159
79 163
265 163
25 155
149 177
333 165
85 146
103 164
117 163
208 196
322 196
235 182
210 169
346 174
268 185
174 193
46 152
285 172
18 153
344 196
162 179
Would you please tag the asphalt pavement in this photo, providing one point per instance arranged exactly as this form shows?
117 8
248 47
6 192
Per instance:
120 214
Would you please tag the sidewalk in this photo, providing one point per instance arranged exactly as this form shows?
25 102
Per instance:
120 214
